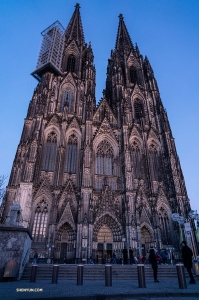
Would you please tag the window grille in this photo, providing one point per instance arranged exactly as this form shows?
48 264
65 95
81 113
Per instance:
71 64
50 152
138 110
40 221
71 155
104 159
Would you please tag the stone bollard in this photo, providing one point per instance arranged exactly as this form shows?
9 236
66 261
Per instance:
108 275
33 273
141 276
55 273
181 276
80 274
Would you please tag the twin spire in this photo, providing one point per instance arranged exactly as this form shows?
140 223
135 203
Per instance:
123 39
74 31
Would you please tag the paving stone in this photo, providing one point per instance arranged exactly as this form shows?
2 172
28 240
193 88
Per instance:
96 290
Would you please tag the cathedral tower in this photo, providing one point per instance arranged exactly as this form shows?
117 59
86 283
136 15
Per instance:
93 179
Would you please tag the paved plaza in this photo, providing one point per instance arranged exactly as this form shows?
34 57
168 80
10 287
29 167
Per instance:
96 290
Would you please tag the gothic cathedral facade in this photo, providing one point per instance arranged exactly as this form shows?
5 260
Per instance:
92 178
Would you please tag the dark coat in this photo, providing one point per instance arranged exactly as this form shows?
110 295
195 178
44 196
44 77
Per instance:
125 252
187 256
152 259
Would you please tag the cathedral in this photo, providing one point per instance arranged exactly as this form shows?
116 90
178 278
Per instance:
94 178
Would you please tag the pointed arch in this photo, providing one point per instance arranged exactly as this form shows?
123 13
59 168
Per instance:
71 63
138 110
50 152
164 222
71 154
147 235
112 223
41 215
154 161
136 158
67 98
104 158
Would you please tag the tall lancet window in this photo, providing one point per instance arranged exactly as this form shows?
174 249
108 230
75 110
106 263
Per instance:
133 75
104 159
164 226
136 159
40 221
154 162
138 111
50 152
71 63
71 155
67 99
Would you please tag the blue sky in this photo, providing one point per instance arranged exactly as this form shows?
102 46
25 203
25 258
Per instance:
167 32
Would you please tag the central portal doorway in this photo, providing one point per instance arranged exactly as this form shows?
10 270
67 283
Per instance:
104 247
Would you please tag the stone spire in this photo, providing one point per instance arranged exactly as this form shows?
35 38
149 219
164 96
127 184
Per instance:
74 30
123 39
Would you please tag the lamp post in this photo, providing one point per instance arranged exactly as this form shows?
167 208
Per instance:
50 253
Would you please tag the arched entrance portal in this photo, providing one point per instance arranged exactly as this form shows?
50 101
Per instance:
146 239
65 244
104 243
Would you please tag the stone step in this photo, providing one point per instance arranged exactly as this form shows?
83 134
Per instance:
98 272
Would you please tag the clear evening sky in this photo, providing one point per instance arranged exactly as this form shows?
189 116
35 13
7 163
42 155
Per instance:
166 31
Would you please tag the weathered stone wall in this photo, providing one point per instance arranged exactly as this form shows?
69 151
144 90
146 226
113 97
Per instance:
15 243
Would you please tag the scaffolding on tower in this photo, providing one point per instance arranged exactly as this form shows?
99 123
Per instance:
50 56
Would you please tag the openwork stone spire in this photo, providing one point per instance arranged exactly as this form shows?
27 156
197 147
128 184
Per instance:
123 39
74 30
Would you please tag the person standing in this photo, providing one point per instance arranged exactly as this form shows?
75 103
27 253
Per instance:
114 257
125 255
131 255
105 257
35 257
153 262
187 260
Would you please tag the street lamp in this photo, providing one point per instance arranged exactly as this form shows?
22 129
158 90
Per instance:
50 253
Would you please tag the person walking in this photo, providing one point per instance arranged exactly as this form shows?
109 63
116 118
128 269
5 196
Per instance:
187 260
153 262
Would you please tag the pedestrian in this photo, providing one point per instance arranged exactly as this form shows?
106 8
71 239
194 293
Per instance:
136 259
105 257
143 259
114 257
153 262
125 255
35 257
164 256
187 260
91 260
131 255
158 258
